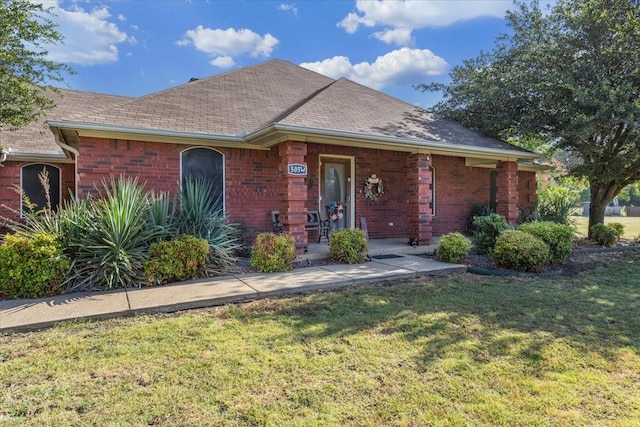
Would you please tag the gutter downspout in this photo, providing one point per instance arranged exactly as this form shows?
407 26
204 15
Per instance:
76 154
3 154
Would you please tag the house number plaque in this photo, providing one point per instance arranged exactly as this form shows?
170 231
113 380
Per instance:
297 169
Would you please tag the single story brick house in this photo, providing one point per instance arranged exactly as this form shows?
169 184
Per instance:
275 136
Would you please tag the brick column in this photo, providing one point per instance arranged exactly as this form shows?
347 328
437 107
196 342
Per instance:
294 193
419 198
507 194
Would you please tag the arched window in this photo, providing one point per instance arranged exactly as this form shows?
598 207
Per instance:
206 164
432 204
41 184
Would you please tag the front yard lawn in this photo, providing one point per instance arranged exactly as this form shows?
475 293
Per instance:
460 350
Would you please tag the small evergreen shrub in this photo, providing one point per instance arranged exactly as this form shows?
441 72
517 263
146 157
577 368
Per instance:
486 231
32 267
348 246
559 237
607 235
182 258
453 248
273 252
517 250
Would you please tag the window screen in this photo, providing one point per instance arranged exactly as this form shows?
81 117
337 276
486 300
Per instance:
35 190
205 164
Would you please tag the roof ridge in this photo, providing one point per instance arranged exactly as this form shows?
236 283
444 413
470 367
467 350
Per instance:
382 93
299 104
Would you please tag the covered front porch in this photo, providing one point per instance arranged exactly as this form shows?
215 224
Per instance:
396 246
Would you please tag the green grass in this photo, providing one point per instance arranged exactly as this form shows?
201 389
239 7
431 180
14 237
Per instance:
631 224
453 351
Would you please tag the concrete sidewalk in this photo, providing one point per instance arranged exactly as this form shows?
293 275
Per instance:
17 315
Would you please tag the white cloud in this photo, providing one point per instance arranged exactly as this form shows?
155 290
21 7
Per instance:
223 62
89 36
399 67
288 7
226 44
399 18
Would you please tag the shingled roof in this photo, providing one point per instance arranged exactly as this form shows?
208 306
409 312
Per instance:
36 140
259 105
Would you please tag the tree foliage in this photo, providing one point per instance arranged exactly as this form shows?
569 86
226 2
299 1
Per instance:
26 29
569 76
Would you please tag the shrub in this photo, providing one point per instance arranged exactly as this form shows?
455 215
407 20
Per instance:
606 235
486 231
453 248
348 245
481 209
182 258
520 251
200 215
555 203
273 252
32 267
559 237
112 245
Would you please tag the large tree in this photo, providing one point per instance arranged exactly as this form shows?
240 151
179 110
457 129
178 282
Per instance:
26 74
568 76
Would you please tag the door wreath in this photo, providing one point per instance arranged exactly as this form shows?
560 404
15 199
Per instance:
373 189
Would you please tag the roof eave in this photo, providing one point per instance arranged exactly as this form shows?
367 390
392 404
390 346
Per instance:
277 132
153 135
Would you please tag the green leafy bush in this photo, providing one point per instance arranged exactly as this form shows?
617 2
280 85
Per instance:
32 267
182 258
348 245
273 252
486 230
607 235
520 251
559 237
453 248
555 203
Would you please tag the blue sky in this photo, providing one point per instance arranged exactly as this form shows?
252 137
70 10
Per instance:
135 48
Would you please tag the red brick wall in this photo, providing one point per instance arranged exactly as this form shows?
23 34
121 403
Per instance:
10 175
254 182
458 189
527 189
253 186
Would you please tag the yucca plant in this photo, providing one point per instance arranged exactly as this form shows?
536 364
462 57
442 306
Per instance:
202 215
114 238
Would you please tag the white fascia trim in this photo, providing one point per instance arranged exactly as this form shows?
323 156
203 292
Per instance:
34 157
418 146
142 131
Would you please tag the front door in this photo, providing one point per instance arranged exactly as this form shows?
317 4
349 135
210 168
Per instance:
335 183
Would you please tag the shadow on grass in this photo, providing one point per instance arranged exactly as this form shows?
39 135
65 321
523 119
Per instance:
596 312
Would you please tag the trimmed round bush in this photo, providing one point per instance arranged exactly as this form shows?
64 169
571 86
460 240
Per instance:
273 252
182 258
453 248
517 250
486 230
348 246
607 235
32 267
559 237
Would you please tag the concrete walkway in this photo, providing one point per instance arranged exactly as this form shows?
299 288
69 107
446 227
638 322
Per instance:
17 315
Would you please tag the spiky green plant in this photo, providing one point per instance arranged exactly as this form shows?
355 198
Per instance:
112 246
201 215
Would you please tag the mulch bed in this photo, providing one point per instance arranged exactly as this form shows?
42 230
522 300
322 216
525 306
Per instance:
586 256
